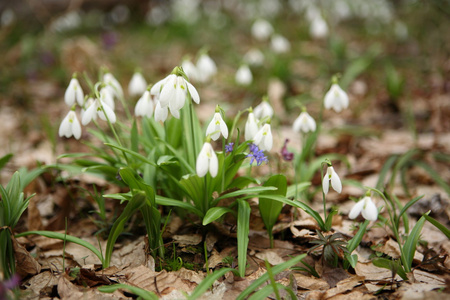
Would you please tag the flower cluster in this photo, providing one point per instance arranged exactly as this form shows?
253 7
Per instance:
257 155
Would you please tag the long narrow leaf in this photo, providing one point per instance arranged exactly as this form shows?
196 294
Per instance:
243 228
409 248
438 225
215 213
208 282
62 236
146 295
275 270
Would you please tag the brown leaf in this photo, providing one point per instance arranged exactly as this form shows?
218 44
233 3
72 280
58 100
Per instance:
34 217
25 263
309 282
67 290
91 278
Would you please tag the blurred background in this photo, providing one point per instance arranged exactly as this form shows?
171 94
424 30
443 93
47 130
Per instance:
392 58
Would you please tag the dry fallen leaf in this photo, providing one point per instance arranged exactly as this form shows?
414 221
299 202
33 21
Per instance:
25 263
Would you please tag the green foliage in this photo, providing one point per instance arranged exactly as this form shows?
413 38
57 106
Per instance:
144 294
271 209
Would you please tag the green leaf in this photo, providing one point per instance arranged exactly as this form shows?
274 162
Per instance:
243 228
195 188
131 152
134 138
409 248
146 295
135 203
300 187
215 213
438 225
405 208
62 236
270 209
5 159
391 265
251 190
356 240
208 281
263 278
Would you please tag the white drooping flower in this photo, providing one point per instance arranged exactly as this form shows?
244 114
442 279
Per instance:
251 126
263 138
70 126
366 207
218 126
90 101
332 176
206 68
304 122
263 110
254 57
172 92
113 85
144 106
137 85
280 44
243 76
207 161
190 69
336 98
318 28
161 113
261 29
74 92
107 97
95 109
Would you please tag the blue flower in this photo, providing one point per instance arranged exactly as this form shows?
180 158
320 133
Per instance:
229 148
256 155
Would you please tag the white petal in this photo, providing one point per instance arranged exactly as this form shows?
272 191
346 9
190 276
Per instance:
336 181
106 95
370 211
156 89
223 128
168 91
202 161
109 113
325 184
76 128
69 95
64 128
311 123
193 92
357 208
89 114
161 113
137 85
268 139
251 127
297 125
211 128
213 164
329 98
258 137
175 112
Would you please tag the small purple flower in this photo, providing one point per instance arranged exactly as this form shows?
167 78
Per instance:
287 156
256 155
229 148
9 284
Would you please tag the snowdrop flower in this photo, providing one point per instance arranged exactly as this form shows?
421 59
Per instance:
261 29
217 126
87 104
263 138
70 126
318 28
207 161
74 92
304 122
173 90
332 176
96 109
243 75
280 44
254 57
190 69
161 113
206 68
251 126
113 85
263 110
366 207
336 98
106 96
137 85
144 106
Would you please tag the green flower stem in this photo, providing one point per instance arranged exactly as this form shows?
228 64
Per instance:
323 196
105 137
115 134
223 168
191 122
